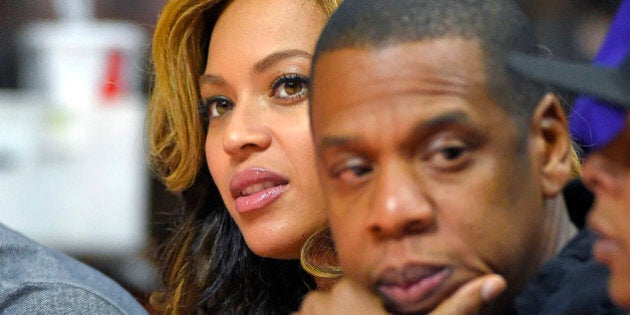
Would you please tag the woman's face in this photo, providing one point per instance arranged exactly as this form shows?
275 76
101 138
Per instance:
258 147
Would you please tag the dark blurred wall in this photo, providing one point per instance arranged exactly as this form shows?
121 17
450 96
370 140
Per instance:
571 29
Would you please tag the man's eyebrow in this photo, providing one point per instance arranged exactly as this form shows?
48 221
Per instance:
278 56
450 118
454 120
421 128
332 141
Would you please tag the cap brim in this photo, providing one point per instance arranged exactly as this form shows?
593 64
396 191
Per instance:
604 83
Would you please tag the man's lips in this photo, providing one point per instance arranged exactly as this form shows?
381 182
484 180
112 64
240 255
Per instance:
406 289
254 188
605 247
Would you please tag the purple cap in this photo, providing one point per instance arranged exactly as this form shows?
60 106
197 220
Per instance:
595 123
600 113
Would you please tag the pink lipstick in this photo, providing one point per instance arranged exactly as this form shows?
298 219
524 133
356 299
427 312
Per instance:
255 188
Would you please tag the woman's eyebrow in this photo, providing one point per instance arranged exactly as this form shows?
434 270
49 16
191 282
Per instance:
260 66
278 56
211 79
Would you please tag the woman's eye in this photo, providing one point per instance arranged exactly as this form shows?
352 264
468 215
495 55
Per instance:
217 106
290 87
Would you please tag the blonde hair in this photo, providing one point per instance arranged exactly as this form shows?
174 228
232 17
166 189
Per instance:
576 164
175 136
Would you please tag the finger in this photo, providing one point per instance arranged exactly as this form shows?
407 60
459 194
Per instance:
345 298
310 303
473 296
350 297
492 287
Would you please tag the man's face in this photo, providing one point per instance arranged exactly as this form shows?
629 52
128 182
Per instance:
428 182
607 173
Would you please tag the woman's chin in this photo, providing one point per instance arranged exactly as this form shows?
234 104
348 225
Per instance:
281 250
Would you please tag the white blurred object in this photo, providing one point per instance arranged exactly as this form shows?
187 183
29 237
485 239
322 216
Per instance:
74 175
95 204
80 62
74 9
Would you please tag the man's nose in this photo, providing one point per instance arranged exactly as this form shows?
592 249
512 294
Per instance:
400 205
599 174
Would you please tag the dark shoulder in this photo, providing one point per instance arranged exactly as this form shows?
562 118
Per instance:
571 283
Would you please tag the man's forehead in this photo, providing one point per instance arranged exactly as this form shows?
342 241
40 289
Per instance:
352 78
454 54
438 66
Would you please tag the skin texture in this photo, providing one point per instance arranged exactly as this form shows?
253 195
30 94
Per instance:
607 174
263 123
418 166
348 297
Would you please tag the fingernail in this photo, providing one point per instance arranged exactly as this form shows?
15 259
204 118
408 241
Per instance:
492 288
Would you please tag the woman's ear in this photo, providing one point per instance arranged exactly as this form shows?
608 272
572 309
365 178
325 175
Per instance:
553 144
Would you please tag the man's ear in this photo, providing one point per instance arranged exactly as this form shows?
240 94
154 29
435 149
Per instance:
552 144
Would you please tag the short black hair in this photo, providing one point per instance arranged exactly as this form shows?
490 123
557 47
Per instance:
499 26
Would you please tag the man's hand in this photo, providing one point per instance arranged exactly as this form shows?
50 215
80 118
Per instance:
347 297
472 296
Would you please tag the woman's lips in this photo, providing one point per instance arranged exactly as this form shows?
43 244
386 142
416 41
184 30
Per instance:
405 290
255 188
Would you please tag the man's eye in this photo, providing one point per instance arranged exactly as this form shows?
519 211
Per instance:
447 155
351 171
452 153
217 106
290 87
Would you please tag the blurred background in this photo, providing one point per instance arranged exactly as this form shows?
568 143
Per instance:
73 90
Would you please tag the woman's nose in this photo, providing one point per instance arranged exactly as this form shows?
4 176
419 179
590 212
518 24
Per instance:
247 130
